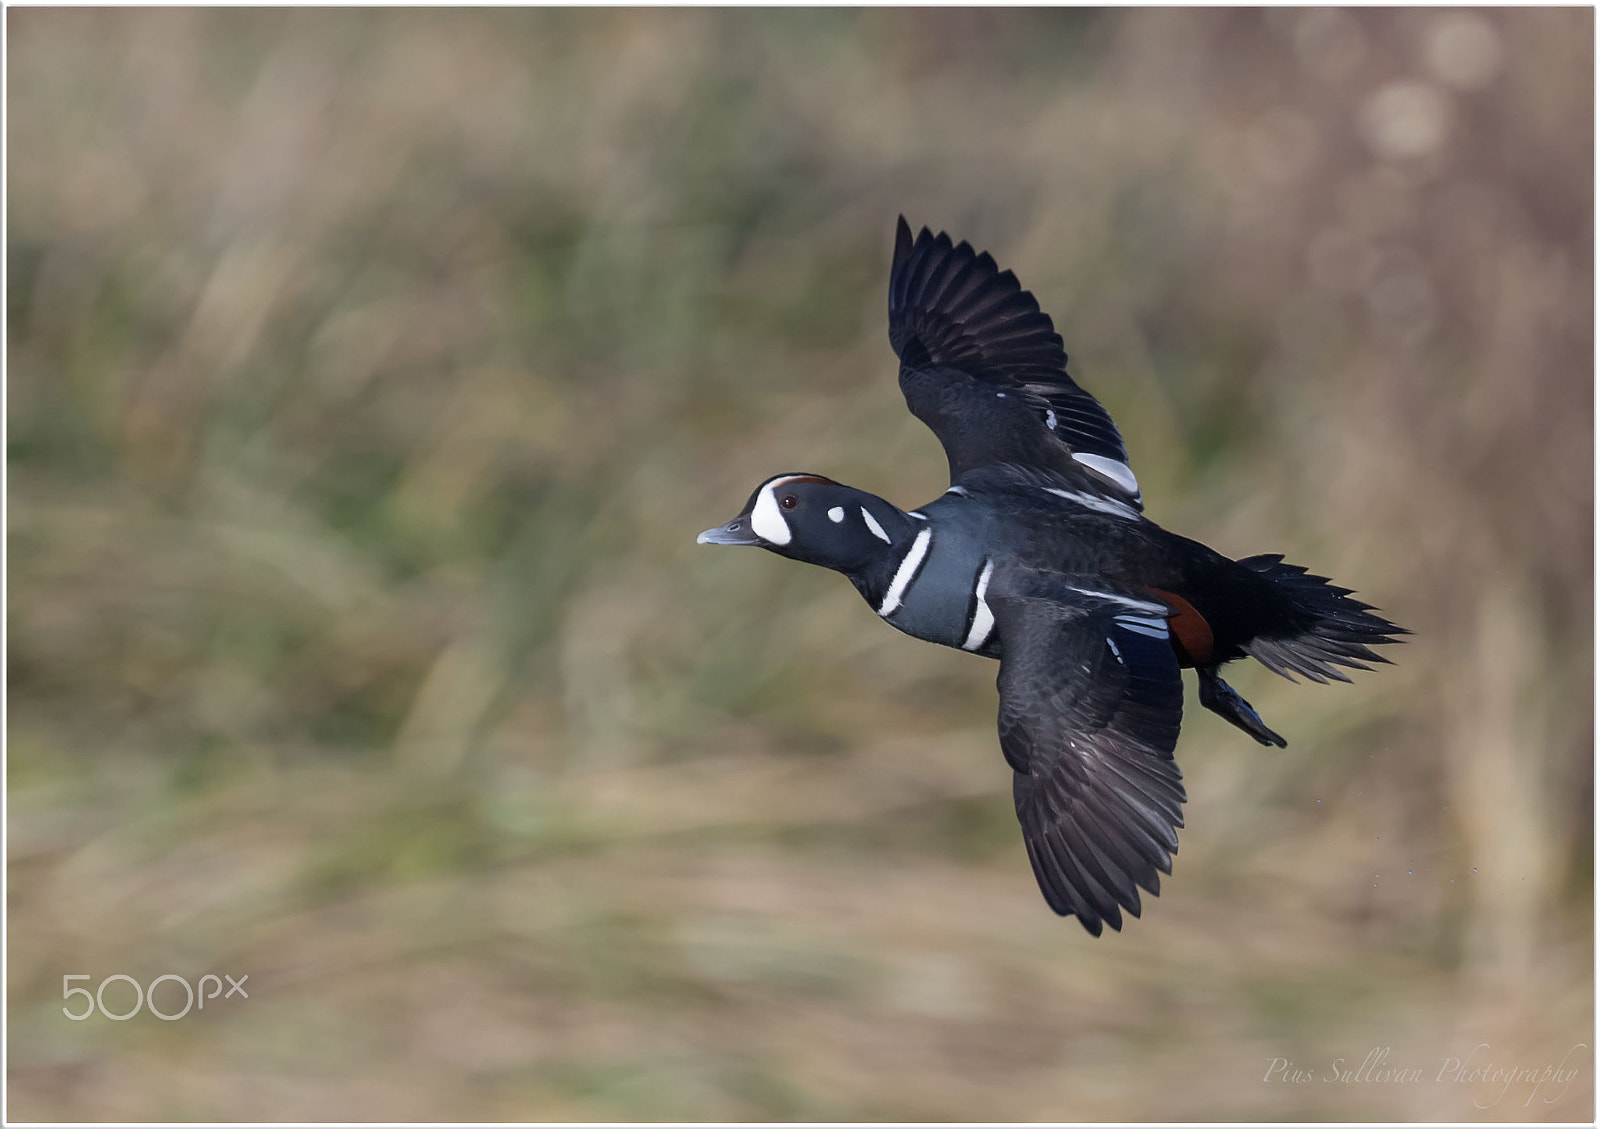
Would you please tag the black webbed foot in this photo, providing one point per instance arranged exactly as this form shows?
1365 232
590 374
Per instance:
1223 700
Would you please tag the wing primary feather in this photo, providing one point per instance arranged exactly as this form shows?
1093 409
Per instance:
1090 732
964 328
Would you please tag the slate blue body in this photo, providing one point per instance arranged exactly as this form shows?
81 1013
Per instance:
1039 556
939 603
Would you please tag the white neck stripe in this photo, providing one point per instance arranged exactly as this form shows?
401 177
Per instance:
872 524
907 570
982 617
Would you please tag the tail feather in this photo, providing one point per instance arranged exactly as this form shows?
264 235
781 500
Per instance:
1328 628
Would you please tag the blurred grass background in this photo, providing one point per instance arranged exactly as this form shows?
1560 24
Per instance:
372 372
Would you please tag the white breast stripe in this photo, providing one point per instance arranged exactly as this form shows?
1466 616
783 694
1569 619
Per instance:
958 491
1090 502
1139 625
918 516
1112 643
872 524
1136 605
836 515
982 617
1115 471
906 572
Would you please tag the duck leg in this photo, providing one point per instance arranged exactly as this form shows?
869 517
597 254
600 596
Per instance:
1223 700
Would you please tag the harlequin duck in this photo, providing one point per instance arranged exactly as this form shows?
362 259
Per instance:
1038 555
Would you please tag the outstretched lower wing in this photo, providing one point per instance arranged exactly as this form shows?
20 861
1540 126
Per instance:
1090 704
983 366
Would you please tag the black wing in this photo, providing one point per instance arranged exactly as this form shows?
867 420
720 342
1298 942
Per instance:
983 366
1090 704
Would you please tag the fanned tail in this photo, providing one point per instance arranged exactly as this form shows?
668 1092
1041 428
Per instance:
1330 629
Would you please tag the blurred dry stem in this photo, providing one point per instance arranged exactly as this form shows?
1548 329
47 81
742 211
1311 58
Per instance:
371 372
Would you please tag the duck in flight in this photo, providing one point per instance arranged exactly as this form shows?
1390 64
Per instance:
1039 555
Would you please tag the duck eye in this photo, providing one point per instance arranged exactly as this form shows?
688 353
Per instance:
788 501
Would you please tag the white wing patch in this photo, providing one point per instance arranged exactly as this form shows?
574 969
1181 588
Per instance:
982 617
1145 606
1092 502
872 524
1140 625
1120 473
908 569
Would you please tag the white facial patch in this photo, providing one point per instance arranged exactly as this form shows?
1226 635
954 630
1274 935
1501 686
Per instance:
1110 468
766 519
872 524
836 515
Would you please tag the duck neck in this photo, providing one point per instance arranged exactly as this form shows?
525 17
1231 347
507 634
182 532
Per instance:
901 542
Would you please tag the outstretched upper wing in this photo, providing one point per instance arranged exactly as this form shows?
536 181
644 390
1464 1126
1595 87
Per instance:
1090 703
982 366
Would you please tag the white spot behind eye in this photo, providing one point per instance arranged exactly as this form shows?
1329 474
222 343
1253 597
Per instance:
836 514
872 524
